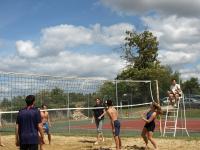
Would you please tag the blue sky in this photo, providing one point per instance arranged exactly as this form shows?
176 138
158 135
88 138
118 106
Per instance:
79 37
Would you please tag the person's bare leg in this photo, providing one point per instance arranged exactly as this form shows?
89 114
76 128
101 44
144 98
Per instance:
150 138
41 147
41 144
1 144
143 134
171 97
120 143
49 138
102 138
177 97
117 142
98 136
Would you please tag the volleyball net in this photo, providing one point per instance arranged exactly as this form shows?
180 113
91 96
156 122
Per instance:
71 100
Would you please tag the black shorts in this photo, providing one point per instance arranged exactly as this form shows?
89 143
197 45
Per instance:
150 126
29 147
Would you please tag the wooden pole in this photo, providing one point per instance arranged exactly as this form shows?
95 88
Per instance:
158 101
157 92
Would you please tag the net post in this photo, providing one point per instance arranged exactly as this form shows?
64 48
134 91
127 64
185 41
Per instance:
68 113
158 101
157 92
116 93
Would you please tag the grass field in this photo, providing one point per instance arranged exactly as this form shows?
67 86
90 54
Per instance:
87 143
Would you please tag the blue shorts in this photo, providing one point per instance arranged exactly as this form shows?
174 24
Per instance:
117 127
46 127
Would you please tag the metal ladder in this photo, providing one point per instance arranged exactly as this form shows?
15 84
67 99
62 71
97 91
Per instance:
172 118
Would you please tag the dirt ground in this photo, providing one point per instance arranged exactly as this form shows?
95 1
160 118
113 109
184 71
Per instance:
87 143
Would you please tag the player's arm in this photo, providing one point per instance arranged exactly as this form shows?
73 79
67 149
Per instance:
93 117
40 129
153 116
104 112
111 121
40 126
48 120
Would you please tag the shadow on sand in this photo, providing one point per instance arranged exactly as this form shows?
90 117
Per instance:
135 147
87 141
101 148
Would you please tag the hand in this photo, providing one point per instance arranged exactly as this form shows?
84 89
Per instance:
42 140
17 142
99 117
113 130
142 114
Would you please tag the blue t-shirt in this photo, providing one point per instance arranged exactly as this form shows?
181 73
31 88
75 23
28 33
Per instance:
28 120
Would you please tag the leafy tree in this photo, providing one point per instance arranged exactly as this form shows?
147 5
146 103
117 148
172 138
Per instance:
191 86
107 91
5 103
140 49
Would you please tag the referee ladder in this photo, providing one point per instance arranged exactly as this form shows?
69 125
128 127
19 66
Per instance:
172 118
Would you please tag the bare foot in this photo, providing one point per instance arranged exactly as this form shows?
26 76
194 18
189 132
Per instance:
2 145
147 147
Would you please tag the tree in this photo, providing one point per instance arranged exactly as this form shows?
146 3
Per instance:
140 49
191 86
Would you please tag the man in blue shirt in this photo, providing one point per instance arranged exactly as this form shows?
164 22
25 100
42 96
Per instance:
28 124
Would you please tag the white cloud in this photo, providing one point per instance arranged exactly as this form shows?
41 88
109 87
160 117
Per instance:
26 49
176 57
179 42
61 36
67 64
111 35
187 73
54 54
58 38
178 38
173 29
164 7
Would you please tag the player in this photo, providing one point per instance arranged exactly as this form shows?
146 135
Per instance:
149 119
115 124
45 121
